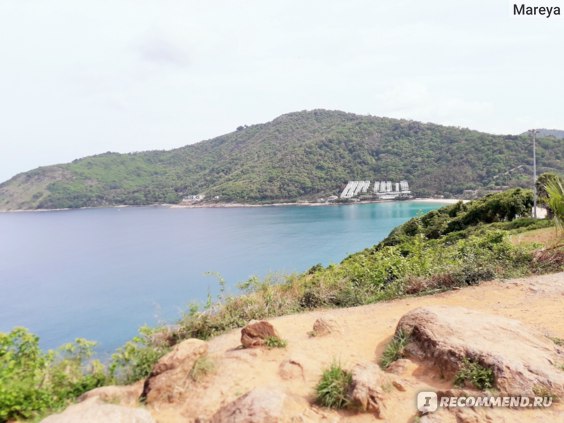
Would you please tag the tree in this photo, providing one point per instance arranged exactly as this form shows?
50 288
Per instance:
555 190
543 182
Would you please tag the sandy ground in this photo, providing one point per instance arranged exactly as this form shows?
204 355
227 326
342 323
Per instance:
365 331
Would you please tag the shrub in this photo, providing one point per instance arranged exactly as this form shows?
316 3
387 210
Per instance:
555 190
395 349
33 382
474 373
135 360
332 390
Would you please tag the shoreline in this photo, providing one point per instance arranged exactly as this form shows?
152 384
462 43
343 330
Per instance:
242 205
307 204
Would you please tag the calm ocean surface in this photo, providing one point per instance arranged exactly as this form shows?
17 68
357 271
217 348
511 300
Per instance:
101 273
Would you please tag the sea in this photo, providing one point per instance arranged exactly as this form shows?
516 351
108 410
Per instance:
100 274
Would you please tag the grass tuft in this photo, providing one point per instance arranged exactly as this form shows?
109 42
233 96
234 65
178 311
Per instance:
332 390
275 342
395 349
203 366
543 391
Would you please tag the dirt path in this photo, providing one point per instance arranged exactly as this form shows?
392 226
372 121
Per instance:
364 332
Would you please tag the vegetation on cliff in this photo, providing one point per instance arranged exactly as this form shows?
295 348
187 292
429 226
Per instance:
300 155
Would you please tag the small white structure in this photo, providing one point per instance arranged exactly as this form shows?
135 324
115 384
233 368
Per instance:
541 212
193 198
385 190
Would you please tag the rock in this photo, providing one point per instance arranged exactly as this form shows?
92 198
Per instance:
523 360
324 326
262 405
255 333
122 395
366 392
94 410
170 376
291 369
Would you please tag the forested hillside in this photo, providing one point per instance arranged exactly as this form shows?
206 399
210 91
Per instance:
556 133
299 155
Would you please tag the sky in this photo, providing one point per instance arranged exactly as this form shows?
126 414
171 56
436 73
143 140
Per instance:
85 77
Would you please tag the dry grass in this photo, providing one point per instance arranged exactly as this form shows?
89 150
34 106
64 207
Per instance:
547 237
202 367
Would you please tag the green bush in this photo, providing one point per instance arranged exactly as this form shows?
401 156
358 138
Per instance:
501 207
333 388
33 382
135 360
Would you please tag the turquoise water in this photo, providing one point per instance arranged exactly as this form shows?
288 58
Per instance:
102 273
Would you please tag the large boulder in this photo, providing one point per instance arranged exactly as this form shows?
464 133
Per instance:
170 375
523 361
122 395
256 333
263 405
94 410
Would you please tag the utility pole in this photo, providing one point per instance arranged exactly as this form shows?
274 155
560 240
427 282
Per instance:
534 133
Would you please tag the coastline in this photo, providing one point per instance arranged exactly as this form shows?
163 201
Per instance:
241 205
306 204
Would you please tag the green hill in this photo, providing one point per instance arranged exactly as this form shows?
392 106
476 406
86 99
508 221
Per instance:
556 133
299 155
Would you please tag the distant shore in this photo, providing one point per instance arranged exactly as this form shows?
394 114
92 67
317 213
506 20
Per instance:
244 205
305 204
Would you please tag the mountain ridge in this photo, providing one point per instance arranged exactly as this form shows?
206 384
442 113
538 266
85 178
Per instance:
298 155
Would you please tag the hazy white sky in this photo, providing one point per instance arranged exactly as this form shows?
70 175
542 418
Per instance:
85 77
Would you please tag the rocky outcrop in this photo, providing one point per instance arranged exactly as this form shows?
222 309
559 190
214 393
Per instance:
94 410
122 395
366 391
170 376
256 333
263 405
523 361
